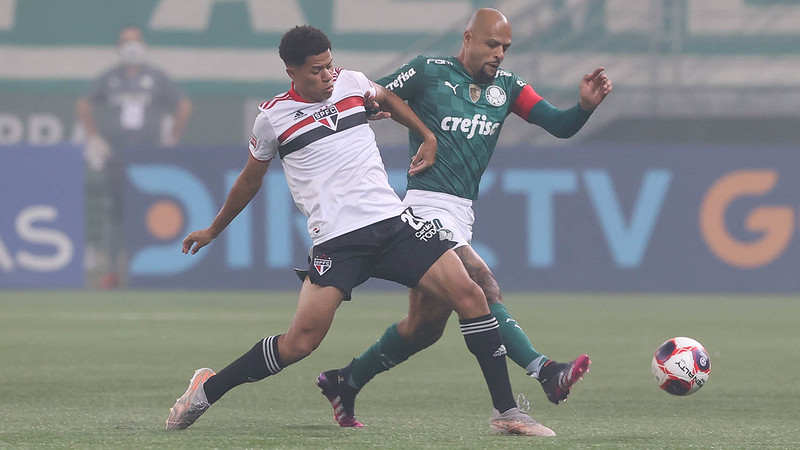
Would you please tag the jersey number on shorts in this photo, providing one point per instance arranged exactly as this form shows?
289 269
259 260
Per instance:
409 218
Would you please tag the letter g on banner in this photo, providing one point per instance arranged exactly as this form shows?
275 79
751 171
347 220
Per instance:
774 223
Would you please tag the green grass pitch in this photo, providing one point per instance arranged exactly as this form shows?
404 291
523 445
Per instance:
101 369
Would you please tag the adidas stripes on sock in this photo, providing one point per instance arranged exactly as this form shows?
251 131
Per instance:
258 363
483 339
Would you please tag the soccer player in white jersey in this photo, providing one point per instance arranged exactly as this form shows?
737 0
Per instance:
465 100
358 225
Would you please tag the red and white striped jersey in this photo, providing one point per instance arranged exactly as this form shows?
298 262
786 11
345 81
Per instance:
329 156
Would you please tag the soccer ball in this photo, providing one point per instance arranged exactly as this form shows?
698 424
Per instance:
681 366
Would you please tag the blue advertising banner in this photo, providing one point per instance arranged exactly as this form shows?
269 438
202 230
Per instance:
41 217
591 218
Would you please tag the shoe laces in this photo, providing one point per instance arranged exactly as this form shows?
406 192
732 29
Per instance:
564 376
522 403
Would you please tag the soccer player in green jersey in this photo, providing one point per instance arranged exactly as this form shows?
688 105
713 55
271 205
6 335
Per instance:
464 100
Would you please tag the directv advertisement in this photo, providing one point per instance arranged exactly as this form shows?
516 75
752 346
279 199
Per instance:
585 218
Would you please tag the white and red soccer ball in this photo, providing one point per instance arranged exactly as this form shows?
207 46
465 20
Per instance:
681 366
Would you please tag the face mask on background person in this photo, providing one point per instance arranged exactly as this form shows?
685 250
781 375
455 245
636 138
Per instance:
132 53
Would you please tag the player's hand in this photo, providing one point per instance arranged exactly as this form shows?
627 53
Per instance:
196 240
374 109
97 151
594 88
425 157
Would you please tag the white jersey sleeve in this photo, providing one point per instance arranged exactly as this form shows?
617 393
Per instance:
364 84
264 141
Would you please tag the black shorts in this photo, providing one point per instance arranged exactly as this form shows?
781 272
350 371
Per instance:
399 249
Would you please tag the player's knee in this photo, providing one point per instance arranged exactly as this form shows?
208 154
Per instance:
470 299
429 336
491 289
484 278
297 349
474 293
425 326
305 348
428 333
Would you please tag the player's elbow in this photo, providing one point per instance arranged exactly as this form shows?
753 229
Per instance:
253 184
563 133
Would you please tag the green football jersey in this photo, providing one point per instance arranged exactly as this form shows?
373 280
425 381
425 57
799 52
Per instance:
466 118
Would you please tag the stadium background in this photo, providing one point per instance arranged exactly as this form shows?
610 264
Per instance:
684 180
673 212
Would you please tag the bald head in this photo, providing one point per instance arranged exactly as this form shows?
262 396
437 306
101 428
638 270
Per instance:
487 36
486 17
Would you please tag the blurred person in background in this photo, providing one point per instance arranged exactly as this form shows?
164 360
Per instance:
125 108
464 100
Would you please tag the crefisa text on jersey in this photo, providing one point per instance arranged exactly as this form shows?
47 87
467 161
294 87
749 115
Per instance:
401 79
477 123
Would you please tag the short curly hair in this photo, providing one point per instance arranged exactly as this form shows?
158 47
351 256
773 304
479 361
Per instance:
301 42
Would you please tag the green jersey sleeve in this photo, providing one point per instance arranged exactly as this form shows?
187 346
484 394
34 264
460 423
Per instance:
536 110
407 81
560 123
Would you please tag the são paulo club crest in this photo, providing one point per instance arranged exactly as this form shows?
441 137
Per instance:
322 264
328 116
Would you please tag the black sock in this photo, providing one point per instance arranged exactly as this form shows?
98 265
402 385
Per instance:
260 362
482 335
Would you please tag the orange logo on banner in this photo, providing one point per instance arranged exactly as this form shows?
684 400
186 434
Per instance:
164 219
774 223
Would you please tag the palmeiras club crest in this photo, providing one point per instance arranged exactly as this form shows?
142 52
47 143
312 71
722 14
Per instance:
328 116
495 95
322 264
